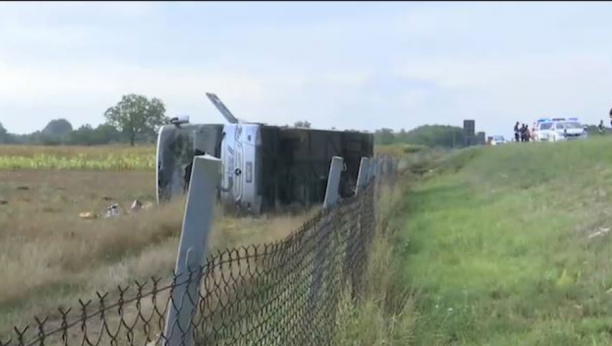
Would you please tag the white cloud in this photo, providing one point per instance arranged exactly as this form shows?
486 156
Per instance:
500 91
63 89
364 67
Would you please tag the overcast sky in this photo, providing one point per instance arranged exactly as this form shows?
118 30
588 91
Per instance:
349 65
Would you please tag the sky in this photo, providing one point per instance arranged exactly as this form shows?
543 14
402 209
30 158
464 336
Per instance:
349 65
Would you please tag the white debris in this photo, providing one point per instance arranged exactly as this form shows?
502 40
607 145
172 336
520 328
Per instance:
601 231
88 215
113 210
136 206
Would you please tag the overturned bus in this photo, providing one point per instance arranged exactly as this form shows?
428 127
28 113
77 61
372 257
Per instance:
265 168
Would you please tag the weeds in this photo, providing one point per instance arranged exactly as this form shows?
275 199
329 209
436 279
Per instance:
384 314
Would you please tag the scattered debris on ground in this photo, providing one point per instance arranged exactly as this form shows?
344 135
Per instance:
601 231
88 215
136 206
113 210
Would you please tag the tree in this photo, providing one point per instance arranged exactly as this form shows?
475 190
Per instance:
384 136
136 115
401 136
81 136
436 136
106 133
57 128
428 135
305 124
5 137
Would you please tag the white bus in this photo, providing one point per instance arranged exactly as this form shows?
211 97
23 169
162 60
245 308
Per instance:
264 167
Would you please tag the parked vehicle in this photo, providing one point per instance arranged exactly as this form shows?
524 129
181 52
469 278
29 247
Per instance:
560 129
264 167
498 140
539 129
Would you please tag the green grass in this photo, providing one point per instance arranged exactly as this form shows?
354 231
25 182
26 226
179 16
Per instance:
497 248
385 315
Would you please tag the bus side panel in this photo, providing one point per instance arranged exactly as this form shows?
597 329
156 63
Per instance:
251 200
227 161
268 167
176 146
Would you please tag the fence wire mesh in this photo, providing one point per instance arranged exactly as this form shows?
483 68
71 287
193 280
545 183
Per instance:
284 293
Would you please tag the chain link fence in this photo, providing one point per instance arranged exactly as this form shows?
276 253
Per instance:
284 293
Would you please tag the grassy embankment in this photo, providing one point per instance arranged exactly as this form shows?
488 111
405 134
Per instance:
385 315
509 245
504 245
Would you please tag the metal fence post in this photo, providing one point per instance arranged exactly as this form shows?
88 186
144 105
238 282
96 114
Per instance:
197 221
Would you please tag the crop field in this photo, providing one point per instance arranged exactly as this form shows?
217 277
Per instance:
117 158
50 256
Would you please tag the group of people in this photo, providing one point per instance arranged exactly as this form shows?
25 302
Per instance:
521 132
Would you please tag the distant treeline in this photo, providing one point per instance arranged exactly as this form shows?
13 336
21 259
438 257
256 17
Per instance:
134 119
441 136
434 136
61 132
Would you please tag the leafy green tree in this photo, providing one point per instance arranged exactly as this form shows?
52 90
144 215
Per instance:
136 115
87 135
57 128
5 137
105 134
436 136
82 136
428 135
384 136
55 133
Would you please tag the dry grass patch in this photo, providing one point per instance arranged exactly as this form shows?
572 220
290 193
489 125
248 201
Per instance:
49 256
